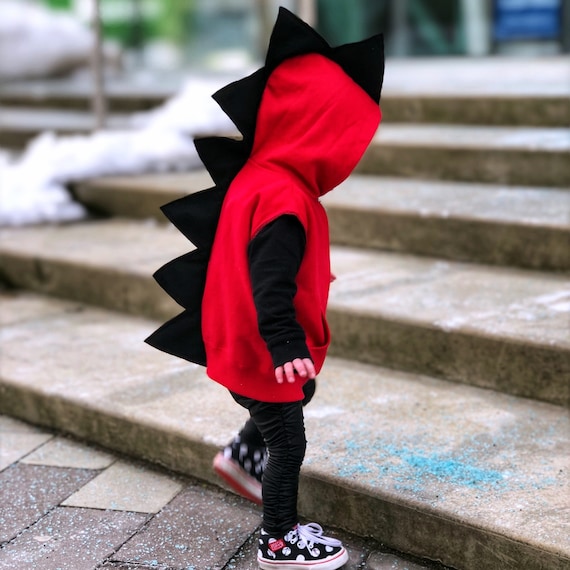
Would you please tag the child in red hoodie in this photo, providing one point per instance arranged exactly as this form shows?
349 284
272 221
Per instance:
265 284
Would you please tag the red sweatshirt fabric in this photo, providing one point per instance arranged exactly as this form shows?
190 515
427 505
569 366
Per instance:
313 125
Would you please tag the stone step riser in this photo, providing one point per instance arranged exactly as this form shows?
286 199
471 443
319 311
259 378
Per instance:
115 104
397 108
494 243
526 245
529 370
16 140
499 111
493 166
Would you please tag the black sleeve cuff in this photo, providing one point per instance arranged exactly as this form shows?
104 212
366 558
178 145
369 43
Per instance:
288 351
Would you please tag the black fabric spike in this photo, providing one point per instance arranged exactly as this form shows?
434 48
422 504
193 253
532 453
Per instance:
182 337
364 62
223 157
292 37
184 278
196 215
240 101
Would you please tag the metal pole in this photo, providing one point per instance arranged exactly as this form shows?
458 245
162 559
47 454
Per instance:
263 8
475 21
400 30
307 11
99 102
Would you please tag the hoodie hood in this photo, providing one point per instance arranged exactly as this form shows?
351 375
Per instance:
314 121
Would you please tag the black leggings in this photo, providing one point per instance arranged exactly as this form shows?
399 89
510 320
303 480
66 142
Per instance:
280 427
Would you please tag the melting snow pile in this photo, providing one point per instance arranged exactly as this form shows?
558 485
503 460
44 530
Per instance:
33 189
40 42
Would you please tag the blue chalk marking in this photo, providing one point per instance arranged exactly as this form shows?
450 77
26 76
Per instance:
446 468
415 468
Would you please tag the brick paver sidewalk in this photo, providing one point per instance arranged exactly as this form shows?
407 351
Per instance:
69 506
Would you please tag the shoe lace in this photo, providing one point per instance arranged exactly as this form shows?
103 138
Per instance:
312 534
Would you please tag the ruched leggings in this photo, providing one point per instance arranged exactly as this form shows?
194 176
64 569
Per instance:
281 428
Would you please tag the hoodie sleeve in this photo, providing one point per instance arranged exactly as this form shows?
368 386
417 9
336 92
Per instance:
275 255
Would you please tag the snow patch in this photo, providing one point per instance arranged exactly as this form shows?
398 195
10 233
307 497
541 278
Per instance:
33 189
40 42
558 301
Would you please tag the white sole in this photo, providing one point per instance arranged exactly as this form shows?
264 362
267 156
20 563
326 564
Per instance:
231 472
340 560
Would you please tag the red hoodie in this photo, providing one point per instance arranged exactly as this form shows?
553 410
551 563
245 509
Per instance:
313 125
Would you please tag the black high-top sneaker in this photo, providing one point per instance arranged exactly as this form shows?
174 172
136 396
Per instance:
241 466
304 546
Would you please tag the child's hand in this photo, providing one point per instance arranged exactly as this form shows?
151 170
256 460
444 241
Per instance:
304 368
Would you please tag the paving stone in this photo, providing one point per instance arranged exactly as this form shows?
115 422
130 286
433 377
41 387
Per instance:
14 446
126 487
381 561
200 529
18 439
63 452
28 492
119 566
70 539
13 425
246 557
358 549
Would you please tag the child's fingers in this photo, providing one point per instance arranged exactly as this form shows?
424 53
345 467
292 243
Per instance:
310 368
303 367
289 371
300 366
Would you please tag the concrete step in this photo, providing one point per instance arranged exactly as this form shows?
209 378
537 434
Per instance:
397 107
71 94
19 125
472 109
519 226
497 155
490 91
501 155
491 327
468 477
483 90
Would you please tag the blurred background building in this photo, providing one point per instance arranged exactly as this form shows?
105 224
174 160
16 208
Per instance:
231 34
